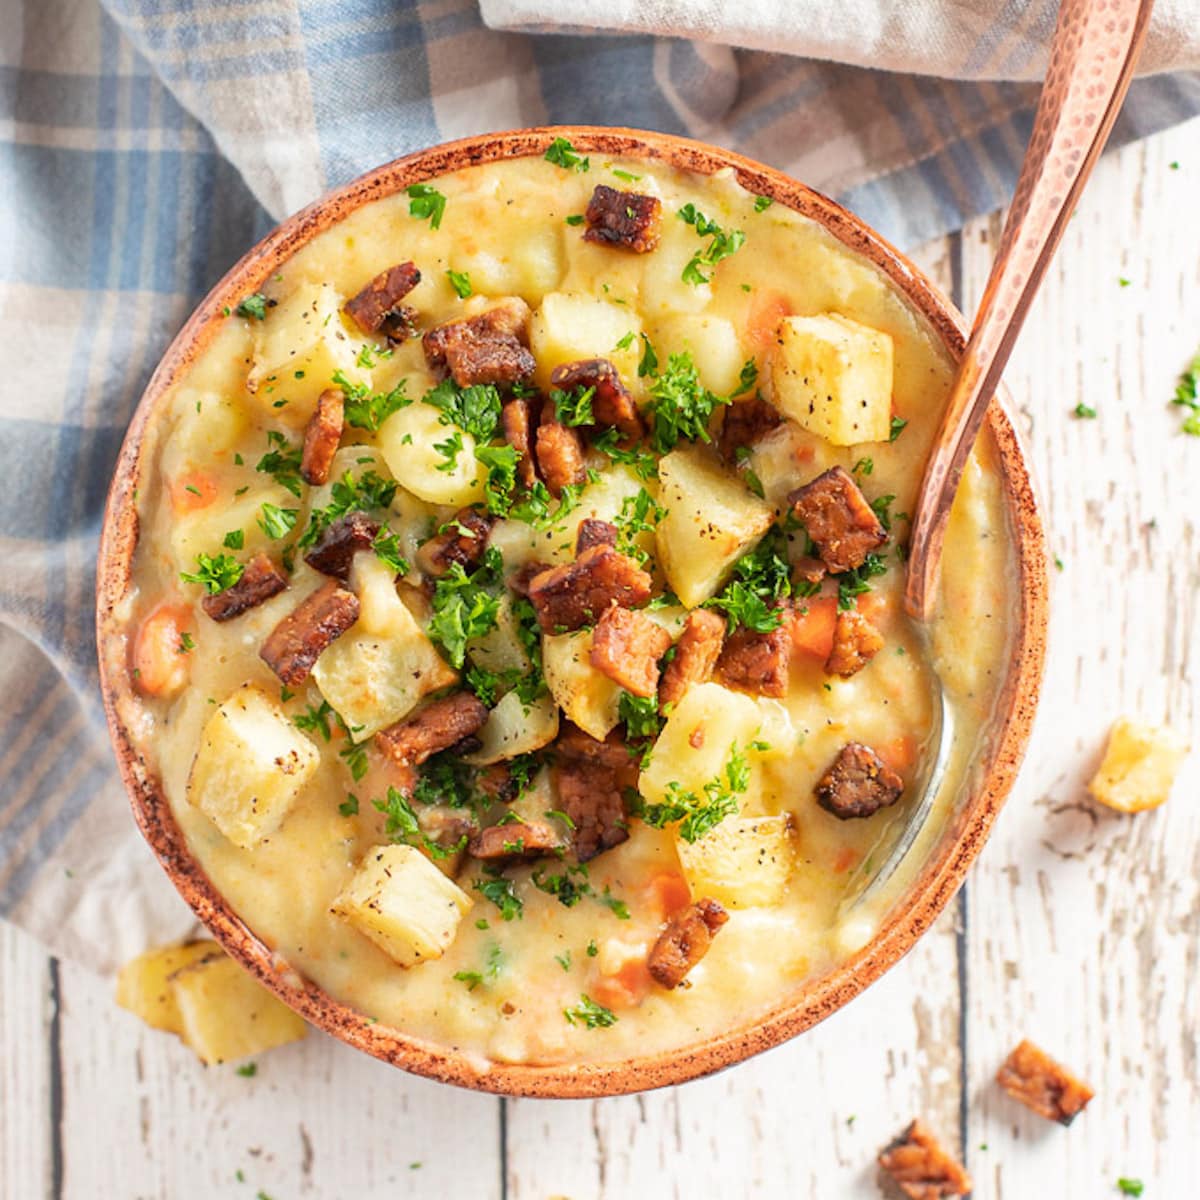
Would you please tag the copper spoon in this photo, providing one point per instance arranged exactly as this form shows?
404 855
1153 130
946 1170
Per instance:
1092 56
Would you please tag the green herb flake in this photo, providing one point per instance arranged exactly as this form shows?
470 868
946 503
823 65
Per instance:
721 245
575 219
573 408
349 806
1122 281
680 407
282 462
628 176
561 153
235 539
368 410
502 893
592 949
898 424
1130 1187
460 281
465 607
1085 411
697 815
248 1070
277 522
187 643
426 203
215 574
589 1014
348 494
864 466
253 306
762 203
386 545
564 960
1187 395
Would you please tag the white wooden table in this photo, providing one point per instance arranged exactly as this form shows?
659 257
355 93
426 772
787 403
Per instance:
1078 927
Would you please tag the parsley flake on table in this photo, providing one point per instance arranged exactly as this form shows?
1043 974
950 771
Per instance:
561 153
1085 411
248 1070
589 1014
426 203
216 574
722 244
1187 395
1130 1187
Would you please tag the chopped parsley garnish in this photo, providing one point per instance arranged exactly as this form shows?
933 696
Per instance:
1130 1187
450 449
854 583
864 466
475 409
277 522
698 815
574 408
386 545
723 243
648 364
589 1014
628 176
881 506
369 491
625 342
502 893
640 715
349 806
235 539
426 203
254 305
643 462
248 1070
568 888
680 406
367 410
465 606
403 826
316 720
445 779
535 509
898 424
216 574
742 605
495 960
282 462
592 949
1187 395
575 219
759 579
471 978
1084 410
460 281
562 154
501 463
564 960
187 643
355 757
762 203
747 379
639 513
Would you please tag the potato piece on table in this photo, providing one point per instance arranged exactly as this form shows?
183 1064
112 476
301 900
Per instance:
1139 766
143 984
404 904
251 765
742 863
833 376
512 728
225 1014
712 519
588 697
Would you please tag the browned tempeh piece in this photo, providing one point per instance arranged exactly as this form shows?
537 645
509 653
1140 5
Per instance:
520 580
515 841
516 418
490 347
758 662
560 456
462 540
334 550
592 778
1030 1075
261 580
377 308
300 638
842 525
592 532
858 783
627 646
855 642
438 726
685 941
625 219
611 403
577 593
322 436
920 1167
806 570
743 423
696 655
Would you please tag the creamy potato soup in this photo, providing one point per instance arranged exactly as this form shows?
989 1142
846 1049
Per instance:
517 616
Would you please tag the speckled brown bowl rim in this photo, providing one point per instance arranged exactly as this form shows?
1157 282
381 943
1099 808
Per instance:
938 880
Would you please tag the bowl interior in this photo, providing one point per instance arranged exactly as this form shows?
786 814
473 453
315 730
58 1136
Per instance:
946 865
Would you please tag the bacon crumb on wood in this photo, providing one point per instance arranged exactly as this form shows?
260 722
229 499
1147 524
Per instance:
1031 1076
921 1168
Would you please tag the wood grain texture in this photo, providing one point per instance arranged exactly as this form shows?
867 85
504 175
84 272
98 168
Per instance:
1078 928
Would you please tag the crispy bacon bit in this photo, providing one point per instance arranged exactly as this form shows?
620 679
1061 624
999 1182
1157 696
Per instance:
520 580
921 1168
517 841
436 727
696 655
592 532
560 456
625 219
758 662
842 525
301 637
592 778
808 570
322 436
578 593
611 404
855 642
1030 1075
261 580
858 783
685 941
744 423
340 540
377 308
490 347
463 541
516 417
627 646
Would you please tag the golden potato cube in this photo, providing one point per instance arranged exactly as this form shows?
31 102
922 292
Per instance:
143 986
409 440
404 904
713 345
833 376
1139 766
501 649
514 728
567 328
712 520
696 740
743 862
302 342
251 765
588 696
225 1014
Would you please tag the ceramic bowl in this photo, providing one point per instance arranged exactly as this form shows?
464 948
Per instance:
947 864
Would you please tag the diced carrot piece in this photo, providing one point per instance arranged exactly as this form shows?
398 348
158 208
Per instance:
192 491
670 892
900 753
766 311
161 661
627 988
812 630
845 858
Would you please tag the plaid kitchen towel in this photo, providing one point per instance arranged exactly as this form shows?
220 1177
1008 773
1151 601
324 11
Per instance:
145 143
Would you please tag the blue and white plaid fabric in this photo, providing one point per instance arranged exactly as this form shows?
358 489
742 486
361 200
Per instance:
144 144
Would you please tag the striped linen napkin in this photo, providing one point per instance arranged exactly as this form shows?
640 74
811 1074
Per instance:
145 143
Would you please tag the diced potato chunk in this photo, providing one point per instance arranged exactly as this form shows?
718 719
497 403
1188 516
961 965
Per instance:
143 984
513 729
833 376
409 441
204 530
696 740
404 904
374 674
500 649
566 328
298 347
713 345
251 765
225 1014
531 265
1139 766
587 696
742 863
712 520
